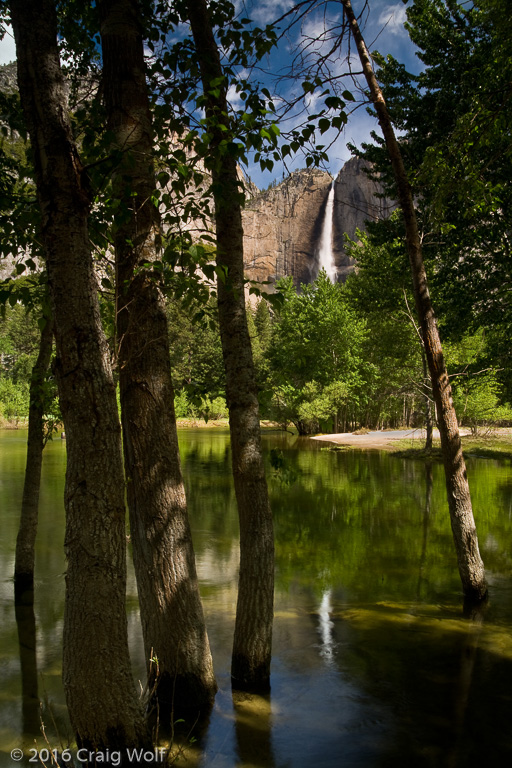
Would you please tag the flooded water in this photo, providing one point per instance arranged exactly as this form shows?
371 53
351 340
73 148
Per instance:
374 664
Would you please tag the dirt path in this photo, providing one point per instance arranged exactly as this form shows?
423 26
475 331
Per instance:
378 440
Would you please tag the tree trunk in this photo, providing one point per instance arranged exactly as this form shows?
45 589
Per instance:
26 540
171 611
429 423
254 614
100 692
471 567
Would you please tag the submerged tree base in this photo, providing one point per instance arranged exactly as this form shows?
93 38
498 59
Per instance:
246 678
179 697
24 589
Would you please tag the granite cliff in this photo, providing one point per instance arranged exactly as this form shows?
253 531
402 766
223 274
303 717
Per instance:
282 226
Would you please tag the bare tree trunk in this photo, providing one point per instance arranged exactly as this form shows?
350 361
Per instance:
429 423
252 645
26 539
471 567
100 692
171 610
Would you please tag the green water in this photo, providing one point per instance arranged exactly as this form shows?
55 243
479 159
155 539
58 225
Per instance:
374 663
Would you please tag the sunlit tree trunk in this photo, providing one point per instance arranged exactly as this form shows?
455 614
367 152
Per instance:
26 539
254 614
471 567
100 692
429 421
171 611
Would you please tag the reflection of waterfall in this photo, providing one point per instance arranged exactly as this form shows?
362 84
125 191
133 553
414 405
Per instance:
326 626
325 257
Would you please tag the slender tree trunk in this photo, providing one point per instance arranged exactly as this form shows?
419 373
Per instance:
252 645
429 423
100 692
171 610
26 540
471 567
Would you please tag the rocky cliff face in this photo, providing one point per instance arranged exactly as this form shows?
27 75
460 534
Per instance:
8 78
355 202
282 226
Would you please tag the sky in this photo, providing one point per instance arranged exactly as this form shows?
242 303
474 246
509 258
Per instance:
383 31
7 48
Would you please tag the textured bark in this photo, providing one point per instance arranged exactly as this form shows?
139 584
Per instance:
429 422
252 644
471 567
171 611
26 539
100 692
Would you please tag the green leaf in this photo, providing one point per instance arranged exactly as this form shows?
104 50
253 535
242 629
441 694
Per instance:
324 124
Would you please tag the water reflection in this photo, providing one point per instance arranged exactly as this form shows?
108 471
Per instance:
26 626
326 627
468 656
429 483
253 730
373 664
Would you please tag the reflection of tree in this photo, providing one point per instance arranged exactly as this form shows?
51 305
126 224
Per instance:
358 515
253 729
26 624
468 654
426 517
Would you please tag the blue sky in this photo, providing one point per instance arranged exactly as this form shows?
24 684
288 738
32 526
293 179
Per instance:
383 30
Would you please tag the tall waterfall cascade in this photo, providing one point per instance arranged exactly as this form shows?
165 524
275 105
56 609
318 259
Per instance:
325 255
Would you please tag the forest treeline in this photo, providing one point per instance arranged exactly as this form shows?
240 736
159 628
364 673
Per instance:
326 359
96 188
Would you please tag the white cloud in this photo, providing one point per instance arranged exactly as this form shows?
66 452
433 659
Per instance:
393 17
233 95
7 47
266 11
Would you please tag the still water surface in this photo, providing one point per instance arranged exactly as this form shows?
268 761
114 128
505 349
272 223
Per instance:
374 664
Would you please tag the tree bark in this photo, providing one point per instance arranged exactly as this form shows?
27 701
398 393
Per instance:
26 539
100 692
471 567
171 610
429 422
252 644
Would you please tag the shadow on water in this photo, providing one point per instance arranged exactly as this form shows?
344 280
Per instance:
436 674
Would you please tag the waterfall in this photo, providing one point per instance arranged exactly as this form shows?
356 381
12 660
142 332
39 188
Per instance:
325 257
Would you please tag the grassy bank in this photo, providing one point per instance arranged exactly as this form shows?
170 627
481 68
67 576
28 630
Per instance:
495 445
